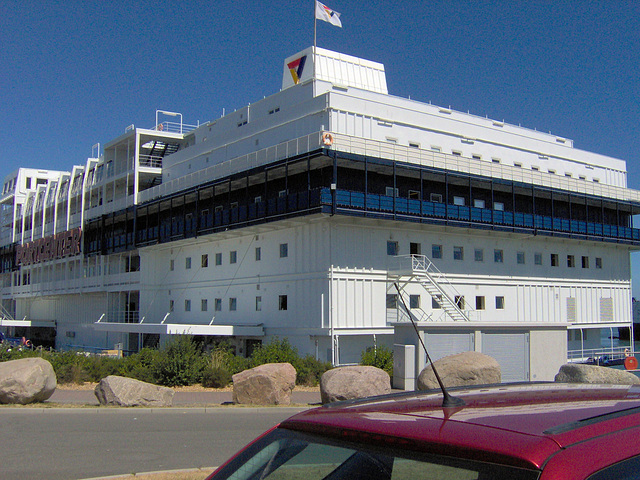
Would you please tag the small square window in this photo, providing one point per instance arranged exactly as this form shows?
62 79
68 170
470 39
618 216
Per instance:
435 197
218 259
258 254
233 256
458 201
414 195
204 305
391 192
478 255
478 203
205 261
598 262
520 258
585 262
392 300
284 250
436 251
436 301
217 304
554 259
458 253
282 302
500 303
187 263
258 304
233 304
571 262
498 256
187 305
392 247
480 303
537 258
414 301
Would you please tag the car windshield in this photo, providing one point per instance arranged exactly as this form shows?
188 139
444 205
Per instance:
285 454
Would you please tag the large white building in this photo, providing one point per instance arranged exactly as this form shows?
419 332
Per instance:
326 213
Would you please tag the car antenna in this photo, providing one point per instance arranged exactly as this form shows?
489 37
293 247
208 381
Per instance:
448 400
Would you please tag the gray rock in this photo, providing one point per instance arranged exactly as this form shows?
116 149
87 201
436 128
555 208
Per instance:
128 392
467 368
578 373
26 381
269 384
346 383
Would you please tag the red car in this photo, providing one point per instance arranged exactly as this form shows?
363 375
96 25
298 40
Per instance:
523 431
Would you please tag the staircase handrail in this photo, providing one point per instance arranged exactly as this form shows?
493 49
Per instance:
410 313
423 265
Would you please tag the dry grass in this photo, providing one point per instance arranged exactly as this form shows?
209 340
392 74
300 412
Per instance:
195 474
190 388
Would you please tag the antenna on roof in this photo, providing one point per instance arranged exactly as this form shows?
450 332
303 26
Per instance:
447 400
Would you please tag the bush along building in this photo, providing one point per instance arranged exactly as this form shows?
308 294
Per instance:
328 213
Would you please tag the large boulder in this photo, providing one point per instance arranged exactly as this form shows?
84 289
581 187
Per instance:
346 383
26 381
269 384
579 373
127 392
467 368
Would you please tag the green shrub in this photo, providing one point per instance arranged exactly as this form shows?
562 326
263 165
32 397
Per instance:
70 366
380 356
310 370
141 365
180 362
98 367
216 377
277 351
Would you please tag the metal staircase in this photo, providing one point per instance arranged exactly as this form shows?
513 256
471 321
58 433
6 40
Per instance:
418 268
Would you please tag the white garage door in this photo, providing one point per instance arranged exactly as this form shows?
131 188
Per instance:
448 343
511 350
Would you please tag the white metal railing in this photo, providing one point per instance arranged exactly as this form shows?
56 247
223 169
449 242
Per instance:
595 354
154 161
442 286
394 151
174 127
238 164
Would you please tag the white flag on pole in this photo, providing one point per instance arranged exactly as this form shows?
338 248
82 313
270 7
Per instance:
326 14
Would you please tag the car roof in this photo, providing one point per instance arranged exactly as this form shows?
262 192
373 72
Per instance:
517 424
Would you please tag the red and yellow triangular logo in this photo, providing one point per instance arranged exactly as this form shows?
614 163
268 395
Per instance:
296 67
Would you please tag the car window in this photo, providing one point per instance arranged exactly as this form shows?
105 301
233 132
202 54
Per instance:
288 455
625 470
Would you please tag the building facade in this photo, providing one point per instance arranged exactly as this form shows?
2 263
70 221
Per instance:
327 213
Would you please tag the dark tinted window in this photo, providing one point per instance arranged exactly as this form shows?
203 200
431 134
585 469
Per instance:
625 470
288 455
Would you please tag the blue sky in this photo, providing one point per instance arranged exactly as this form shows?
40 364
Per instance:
77 73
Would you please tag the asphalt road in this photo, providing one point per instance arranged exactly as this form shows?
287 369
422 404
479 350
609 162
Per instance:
75 443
